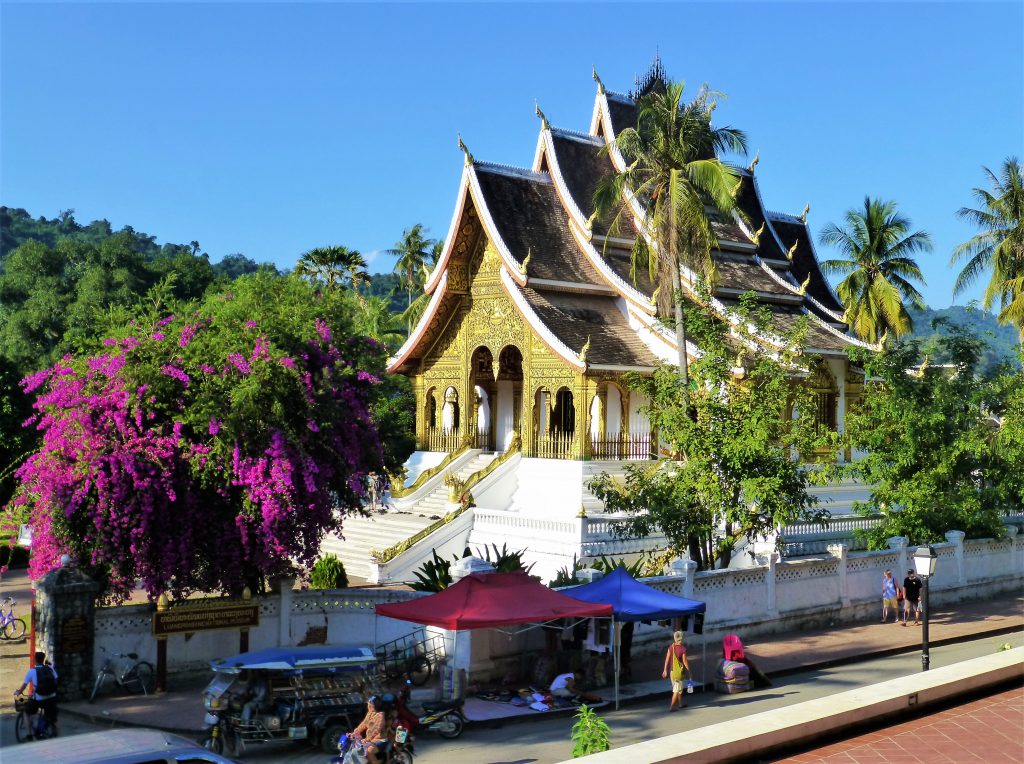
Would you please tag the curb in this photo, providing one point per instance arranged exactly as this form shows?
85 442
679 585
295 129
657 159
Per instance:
112 721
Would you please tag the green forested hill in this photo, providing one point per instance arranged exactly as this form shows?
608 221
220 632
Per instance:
1002 340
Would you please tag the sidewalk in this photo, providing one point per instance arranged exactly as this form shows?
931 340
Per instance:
180 710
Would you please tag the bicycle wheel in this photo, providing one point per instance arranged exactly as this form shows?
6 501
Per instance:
15 629
420 669
22 727
141 678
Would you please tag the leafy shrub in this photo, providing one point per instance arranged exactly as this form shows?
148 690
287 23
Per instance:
328 573
434 575
590 734
505 561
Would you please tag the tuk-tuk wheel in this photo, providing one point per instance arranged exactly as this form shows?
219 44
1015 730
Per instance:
329 740
214 744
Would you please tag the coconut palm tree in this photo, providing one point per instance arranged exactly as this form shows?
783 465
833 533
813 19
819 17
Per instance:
413 253
675 173
1000 245
878 267
375 319
334 266
412 314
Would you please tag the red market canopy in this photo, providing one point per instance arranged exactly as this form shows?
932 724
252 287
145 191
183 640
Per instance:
488 600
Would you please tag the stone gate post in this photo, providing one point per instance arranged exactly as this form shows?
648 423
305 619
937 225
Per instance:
957 537
769 578
65 613
840 552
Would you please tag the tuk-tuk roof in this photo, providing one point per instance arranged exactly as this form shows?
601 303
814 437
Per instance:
292 658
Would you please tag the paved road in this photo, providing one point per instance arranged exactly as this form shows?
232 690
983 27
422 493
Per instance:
538 740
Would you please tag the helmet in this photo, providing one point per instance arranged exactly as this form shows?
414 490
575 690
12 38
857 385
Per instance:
387 702
373 700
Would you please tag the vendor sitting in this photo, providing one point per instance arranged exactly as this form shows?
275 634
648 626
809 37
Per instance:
564 686
373 729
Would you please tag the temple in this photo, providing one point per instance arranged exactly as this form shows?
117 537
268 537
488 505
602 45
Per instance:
534 317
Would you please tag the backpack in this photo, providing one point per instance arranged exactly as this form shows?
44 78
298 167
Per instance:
46 681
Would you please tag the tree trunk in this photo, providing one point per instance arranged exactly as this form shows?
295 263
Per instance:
696 551
726 557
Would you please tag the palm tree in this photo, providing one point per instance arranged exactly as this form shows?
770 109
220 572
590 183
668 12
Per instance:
674 171
878 267
333 267
1000 245
414 312
413 252
375 319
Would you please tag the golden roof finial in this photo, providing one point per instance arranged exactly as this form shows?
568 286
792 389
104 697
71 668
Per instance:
803 217
465 150
757 234
884 338
543 120
526 261
923 366
582 355
757 158
600 85
792 251
803 287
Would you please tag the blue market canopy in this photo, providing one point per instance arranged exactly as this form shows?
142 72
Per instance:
634 601
298 658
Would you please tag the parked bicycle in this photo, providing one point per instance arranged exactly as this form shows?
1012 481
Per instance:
10 627
126 670
27 726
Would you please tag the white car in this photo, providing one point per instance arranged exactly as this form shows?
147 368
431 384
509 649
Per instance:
123 746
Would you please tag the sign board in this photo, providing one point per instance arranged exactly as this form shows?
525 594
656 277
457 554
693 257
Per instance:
74 636
186 619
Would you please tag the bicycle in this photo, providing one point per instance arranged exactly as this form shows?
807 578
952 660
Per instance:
30 726
10 627
137 676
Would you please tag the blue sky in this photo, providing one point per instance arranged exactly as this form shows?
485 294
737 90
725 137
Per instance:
268 129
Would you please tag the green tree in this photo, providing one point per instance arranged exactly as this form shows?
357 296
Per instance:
413 253
999 247
412 314
930 458
674 170
878 267
731 473
375 319
332 267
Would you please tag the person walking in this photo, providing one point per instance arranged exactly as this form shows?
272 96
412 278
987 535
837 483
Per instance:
676 659
912 597
889 595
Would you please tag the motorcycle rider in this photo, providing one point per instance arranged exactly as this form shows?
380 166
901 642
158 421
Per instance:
43 679
373 729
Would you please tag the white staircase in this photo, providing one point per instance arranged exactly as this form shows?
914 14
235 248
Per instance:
382 530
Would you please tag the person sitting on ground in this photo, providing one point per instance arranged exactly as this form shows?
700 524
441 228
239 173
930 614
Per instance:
373 729
44 691
564 686
732 650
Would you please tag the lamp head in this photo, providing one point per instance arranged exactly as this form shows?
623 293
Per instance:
924 561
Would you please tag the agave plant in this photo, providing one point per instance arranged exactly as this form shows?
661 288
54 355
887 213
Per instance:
505 561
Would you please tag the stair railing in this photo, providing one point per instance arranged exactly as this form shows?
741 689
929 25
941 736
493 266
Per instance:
398 488
465 502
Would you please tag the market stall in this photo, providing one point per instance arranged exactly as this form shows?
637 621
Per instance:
631 600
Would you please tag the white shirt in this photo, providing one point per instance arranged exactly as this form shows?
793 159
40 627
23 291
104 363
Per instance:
561 682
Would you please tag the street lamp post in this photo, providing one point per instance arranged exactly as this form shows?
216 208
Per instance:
924 564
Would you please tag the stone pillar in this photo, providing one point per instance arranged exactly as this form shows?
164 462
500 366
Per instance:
773 560
957 537
284 631
899 544
690 571
840 552
66 607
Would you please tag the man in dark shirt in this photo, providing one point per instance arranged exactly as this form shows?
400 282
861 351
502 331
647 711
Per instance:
912 597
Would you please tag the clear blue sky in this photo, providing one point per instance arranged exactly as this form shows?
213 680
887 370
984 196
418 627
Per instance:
269 129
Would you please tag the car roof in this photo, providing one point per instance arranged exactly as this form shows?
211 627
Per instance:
121 746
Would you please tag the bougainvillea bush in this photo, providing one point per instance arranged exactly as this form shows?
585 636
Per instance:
204 451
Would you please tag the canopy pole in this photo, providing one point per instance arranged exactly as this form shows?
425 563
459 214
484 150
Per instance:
703 661
616 659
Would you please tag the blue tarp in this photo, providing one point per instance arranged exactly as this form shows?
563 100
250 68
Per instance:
634 601
286 658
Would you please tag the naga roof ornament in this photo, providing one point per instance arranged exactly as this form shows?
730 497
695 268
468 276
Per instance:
600 85
757 234
544 124
526 261
465 150
803 287
792 250
803 215
752 165
582 355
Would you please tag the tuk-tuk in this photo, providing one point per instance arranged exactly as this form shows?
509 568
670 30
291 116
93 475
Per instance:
288 693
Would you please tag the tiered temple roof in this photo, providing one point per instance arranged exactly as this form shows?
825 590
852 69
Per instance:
572 279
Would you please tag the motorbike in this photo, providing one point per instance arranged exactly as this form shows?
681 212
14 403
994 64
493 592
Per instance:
444 717
352 749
